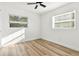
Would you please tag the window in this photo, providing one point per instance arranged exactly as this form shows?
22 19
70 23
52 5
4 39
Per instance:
18 21
64 21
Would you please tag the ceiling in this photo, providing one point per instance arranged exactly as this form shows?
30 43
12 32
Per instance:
50 6
23 5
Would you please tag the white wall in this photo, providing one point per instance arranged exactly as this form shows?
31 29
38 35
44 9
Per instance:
66 37
32 31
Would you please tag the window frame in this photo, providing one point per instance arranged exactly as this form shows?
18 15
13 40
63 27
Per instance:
53 20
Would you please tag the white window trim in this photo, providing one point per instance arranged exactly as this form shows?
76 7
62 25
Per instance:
53 20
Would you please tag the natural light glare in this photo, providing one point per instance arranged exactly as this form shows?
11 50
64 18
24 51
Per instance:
13 38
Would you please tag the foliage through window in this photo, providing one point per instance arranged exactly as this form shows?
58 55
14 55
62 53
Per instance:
18 21
64 21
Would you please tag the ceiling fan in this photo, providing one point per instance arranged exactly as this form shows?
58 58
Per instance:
37 4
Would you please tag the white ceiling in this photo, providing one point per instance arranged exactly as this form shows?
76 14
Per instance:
23 5
50 6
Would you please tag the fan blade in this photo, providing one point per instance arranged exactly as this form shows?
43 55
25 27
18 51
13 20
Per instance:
39 2
36 7
43 5
30 3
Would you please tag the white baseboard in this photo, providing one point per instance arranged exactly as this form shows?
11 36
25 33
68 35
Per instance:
68 46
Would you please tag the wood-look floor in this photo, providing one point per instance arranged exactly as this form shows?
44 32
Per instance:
37 48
